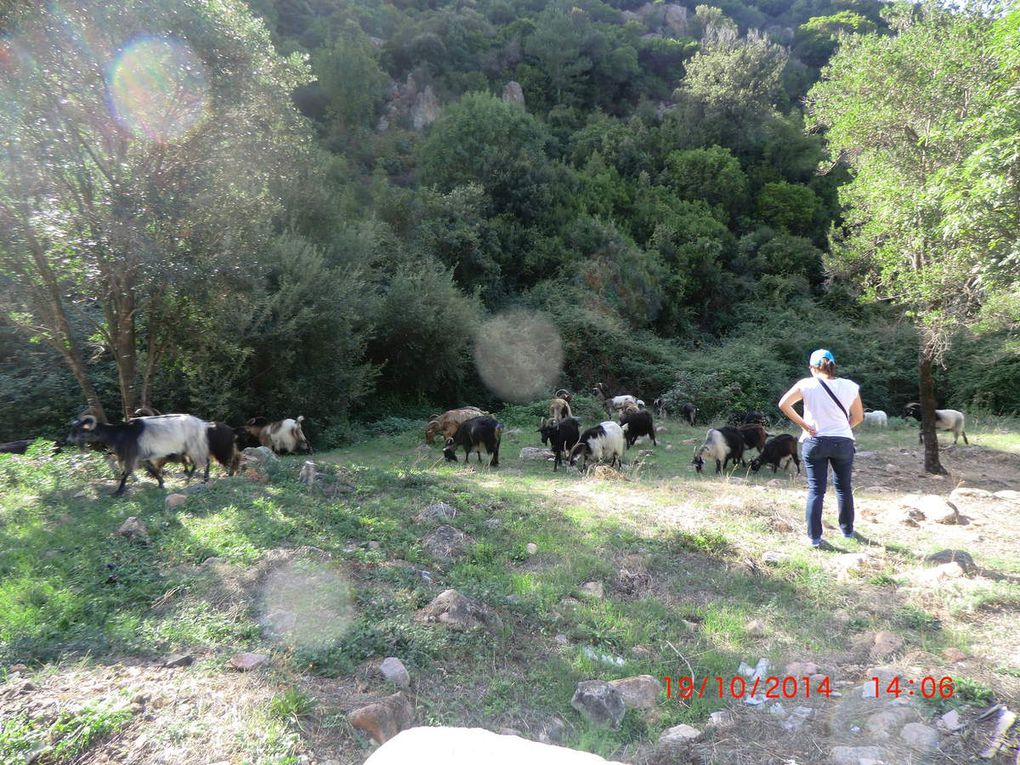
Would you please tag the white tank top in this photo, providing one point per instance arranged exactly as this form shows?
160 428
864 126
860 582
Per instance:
821 411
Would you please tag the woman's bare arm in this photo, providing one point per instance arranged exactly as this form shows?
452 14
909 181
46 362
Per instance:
786 403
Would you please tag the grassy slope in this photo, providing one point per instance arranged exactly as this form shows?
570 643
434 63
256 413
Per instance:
67 586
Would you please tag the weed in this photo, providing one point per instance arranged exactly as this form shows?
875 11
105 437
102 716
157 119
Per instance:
914 618
290 706
75 732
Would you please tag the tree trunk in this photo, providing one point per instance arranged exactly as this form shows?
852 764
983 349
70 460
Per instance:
928 432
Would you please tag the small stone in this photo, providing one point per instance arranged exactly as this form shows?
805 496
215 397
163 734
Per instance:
394 671
178 660
856 755
919 736
447 543
950 721
755 628
773 556
593 590
173 501
722 719
955 655
679 734
134 530
532 548
947 571
553 732
642 652
886 644
460 613
561 639
599 702
641 692
535 453
802 668
385 719
777 710
258 455
960 557
438 511
246 662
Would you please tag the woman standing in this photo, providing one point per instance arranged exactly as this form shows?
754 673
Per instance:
832 409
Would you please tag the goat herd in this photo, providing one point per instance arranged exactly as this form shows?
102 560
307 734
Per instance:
154 439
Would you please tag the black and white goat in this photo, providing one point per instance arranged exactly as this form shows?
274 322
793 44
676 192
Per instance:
560 437
778 449
637 423
476 435
603 442
722 445
222 445
146 438
945 419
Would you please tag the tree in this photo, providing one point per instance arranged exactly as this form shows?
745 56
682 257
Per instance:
903 142
713 175
137 171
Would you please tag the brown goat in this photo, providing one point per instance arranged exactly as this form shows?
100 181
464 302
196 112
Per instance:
559 409
448 422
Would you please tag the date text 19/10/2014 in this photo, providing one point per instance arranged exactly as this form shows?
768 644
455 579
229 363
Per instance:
790 687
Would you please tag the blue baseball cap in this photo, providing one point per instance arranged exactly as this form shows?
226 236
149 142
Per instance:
821 355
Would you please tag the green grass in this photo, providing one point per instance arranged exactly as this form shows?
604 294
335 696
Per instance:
68 586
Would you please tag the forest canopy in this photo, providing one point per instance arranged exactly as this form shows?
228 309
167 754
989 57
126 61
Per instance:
282 207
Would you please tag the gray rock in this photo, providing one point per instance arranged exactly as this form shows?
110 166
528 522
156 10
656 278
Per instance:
678 735
1008 494
967 492
258 455
438 511
536 453
640 692
722 719
676 19
954 556
246 662
773 556
531 548
919 736
513 93
599 702
935 508
134 530
460 613
394 671
446 543
950 721
385 719
553 731
855 755
886 644
593 590
425 109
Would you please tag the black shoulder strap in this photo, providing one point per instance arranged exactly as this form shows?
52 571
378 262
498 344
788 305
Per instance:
833 397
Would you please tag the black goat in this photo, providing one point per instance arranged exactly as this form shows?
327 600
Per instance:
476 435
639 423
777 449
560 437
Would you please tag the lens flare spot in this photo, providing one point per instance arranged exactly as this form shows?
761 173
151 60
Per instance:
157 89
519 355
306 604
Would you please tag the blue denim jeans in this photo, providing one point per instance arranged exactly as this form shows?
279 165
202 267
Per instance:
818 453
